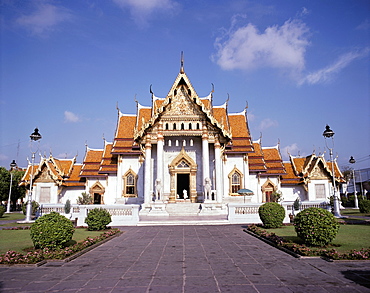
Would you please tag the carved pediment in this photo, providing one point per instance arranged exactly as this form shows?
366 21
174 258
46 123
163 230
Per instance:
44 176
181 105
318 173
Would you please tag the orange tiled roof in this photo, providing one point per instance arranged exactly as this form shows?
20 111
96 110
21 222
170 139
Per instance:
74 178
290 176
206 103
91 163
274 163
109 162
255 159
144 114
124 141
220 115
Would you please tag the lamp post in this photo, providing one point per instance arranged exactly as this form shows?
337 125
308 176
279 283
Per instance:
328 133
353 161
35 136
12 166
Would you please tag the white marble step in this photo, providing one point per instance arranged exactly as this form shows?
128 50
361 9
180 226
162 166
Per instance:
183 209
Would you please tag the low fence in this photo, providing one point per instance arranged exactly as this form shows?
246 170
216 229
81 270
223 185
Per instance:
122 215
247 213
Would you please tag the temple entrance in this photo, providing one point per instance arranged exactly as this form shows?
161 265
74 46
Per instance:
183 184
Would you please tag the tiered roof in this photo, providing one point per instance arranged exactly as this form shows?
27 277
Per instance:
62 172
301 169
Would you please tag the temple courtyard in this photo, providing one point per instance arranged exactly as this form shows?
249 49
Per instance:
185 258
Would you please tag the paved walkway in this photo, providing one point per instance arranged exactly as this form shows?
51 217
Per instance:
188 259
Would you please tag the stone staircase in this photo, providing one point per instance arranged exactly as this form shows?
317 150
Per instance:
185 213
183 209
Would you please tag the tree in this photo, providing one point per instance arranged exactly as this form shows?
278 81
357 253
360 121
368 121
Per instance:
17 191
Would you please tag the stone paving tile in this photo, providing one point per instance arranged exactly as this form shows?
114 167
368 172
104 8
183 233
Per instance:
188 259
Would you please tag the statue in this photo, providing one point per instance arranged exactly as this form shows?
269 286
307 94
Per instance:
185 194
158 190
207 189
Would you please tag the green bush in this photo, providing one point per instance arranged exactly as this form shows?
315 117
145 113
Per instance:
85 198
364 206
98 219
67 207
2 211
51 231
316 226
35 206
271 214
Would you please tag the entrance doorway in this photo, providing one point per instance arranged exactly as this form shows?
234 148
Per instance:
183 183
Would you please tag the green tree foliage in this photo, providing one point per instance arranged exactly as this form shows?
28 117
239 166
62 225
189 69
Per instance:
67 207
51 231
271 214
35 206
98 219
17 191
85 198
316 226
363 205
2 211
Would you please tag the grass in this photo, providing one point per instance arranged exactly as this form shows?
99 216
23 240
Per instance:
352 213
12 216
19 240
348 238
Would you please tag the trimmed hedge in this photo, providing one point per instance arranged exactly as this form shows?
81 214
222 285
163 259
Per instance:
51 231
364 206
316 226
2 211
98 219
271 214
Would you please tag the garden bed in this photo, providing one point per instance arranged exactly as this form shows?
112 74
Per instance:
294 246
41 256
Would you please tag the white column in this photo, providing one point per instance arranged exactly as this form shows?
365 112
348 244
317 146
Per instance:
147 181
160 143
205 153
218 171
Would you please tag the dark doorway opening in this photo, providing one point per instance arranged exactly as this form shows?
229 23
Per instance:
183 184
97 198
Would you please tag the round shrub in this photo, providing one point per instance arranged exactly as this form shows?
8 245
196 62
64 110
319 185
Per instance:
51 231
271 214
2 210
316 226
98 219
364 206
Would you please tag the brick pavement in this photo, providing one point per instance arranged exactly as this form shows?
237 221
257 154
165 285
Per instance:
188 259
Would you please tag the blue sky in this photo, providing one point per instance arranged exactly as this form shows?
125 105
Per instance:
66 65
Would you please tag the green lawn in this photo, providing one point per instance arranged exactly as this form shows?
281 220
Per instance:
12 216
18 240
349 237
352 213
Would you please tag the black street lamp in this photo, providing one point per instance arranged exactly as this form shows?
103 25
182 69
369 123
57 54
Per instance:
328 133
12 166
35 136
353 161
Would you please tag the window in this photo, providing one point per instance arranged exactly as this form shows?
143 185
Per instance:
190 127
45 195
320 191
130 184
183 164
182 126
235 183
166 126
174 126
197 125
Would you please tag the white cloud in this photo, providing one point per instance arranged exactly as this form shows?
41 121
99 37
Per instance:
70 117
44 19
281 47
267 123
141 10
328 73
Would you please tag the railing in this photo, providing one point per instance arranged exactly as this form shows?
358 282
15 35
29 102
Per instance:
247 213
122 215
